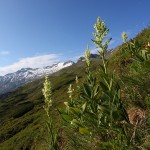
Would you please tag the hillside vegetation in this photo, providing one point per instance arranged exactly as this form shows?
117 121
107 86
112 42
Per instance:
23 119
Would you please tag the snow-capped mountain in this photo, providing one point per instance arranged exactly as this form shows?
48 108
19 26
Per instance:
25 75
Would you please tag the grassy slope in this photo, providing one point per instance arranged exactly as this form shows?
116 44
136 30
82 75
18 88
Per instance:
135 76
22 118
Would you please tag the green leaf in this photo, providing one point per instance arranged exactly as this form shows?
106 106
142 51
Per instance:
66 118
111 83
61 111
84 131
107 82
87 90
76 110
76 123
102 68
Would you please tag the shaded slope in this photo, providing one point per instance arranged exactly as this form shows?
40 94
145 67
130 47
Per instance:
22 118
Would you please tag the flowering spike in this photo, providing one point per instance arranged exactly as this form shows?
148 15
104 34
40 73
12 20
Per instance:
47 92
77 80
124 37
87 56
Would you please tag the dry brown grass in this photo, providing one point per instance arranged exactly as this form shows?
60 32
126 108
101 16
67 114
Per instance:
137 116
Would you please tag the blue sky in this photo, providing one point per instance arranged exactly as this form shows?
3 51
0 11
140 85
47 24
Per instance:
36 33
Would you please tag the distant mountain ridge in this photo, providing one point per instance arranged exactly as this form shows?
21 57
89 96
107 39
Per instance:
82 58
108 53
11 81
25 75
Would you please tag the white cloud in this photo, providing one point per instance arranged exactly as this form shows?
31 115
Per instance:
94 51
32 62
4 52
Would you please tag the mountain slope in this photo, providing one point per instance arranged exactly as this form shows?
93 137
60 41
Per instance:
22 117
25 75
